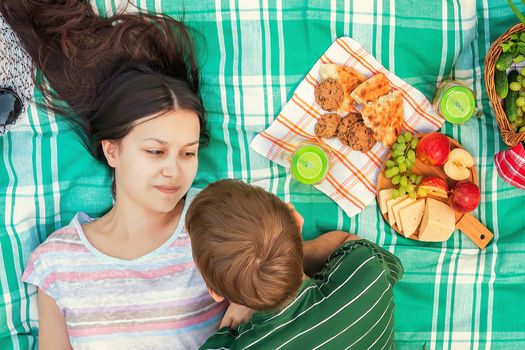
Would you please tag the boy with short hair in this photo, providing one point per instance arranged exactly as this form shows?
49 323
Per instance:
247 244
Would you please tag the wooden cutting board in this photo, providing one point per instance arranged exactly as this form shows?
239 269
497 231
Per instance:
465 222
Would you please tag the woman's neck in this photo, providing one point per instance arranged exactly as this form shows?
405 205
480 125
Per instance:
131 221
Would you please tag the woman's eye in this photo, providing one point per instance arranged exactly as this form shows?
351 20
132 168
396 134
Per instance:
189 154
154 152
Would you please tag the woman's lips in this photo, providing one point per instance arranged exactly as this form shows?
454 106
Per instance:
167 189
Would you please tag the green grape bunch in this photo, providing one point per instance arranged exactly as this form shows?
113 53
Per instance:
399 167
517 119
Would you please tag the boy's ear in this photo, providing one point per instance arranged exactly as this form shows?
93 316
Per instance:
215 296
110 149
298 217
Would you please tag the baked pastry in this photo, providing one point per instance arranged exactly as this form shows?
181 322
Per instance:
371 89
385 117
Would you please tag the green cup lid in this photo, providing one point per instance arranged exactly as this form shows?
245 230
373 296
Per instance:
309 164
457 104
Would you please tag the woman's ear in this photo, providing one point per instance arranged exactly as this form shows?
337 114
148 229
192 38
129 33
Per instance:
110 149
215 296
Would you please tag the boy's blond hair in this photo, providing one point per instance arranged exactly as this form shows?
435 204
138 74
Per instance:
246 244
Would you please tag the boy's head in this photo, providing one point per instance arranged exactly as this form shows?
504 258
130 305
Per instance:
246 244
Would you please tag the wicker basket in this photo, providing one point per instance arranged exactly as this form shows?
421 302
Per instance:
510 137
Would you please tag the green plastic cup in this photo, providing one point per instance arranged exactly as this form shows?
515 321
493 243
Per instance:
309 164
457 104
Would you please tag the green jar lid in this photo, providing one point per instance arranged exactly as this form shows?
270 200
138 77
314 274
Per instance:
458 104
309 164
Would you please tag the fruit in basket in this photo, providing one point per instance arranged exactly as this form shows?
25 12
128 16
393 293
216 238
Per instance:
501 83
458 164
465 196
511 108
435 186
433 149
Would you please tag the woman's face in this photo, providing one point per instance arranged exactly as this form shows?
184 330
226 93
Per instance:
156 163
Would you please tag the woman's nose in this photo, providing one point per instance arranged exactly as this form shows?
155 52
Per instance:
170 169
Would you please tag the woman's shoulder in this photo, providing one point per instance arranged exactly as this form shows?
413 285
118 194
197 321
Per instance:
59 251
64 240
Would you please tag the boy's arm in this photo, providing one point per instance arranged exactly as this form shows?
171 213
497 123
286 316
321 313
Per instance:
393 265
52 329
222 339
317 251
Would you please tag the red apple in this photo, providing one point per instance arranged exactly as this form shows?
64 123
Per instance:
435 186
458 164
465 196
433 149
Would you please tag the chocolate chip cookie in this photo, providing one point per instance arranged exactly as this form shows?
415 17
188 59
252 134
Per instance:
326 127
329 95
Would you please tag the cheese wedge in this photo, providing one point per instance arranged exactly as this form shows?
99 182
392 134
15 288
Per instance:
384 195
438 222
390 204
410 216
399 206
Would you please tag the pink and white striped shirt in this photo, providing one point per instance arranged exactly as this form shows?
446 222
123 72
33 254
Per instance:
157 301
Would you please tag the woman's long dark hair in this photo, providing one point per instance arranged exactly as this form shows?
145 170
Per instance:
109 71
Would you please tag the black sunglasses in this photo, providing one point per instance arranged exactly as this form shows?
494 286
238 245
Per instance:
10 108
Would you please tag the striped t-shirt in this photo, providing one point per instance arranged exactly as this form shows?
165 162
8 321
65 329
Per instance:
348 305
157 301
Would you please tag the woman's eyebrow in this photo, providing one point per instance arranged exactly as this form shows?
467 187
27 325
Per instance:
162 142
192 143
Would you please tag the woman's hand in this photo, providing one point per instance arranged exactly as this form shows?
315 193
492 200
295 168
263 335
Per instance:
235 315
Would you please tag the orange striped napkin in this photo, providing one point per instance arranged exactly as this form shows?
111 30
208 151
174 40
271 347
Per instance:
352 176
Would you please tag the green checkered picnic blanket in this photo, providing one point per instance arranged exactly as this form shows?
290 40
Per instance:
253 55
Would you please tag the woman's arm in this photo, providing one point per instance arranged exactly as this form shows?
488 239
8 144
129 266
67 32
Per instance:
317 251
52 329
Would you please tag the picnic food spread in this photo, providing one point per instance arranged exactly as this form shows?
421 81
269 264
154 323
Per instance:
427 184
352 111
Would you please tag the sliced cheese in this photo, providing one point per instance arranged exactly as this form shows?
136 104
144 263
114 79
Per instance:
384 195
398 207
438 222
390 204
410 216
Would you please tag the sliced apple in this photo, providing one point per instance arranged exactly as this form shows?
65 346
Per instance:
435 186
458 164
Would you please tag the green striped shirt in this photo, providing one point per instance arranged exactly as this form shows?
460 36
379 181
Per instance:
348 305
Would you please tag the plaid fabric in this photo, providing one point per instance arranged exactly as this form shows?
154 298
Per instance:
352 176
511 165
254 54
